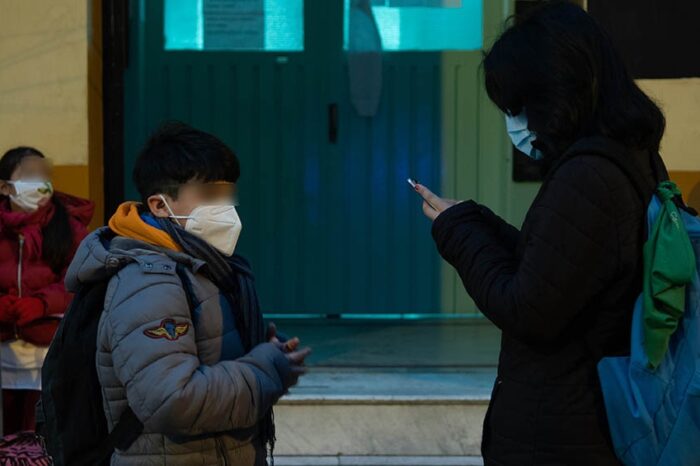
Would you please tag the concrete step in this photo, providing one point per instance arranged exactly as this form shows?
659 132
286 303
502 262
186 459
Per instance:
378 461
388 414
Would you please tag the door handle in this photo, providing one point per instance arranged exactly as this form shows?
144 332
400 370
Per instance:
333 123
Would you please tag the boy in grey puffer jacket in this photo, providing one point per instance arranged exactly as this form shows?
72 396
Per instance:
201 377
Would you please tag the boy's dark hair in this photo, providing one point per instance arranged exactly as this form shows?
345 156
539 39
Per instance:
561 66
177 153
56 249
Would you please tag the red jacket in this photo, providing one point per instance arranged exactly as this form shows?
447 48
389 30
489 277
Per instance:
36 278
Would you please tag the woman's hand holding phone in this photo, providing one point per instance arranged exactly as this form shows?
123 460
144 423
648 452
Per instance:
433 205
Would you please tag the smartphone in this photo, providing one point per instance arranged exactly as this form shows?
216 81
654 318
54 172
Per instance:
413 182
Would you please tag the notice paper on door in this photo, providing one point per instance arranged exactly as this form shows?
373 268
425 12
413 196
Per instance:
234 24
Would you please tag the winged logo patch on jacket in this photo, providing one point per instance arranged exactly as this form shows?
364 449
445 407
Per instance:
168 329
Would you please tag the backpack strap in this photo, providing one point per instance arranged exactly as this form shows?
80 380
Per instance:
126 431
124 434
187 286
617 154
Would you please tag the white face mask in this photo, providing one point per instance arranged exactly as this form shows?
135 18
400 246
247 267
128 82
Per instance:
521 135
218 225
29 194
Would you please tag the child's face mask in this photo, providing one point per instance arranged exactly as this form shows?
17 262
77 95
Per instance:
29 194
218 225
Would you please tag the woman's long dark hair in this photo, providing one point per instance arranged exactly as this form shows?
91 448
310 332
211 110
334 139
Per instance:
561 66
57 234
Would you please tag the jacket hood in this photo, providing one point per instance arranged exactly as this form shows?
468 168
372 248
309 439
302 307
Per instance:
127 222
102 254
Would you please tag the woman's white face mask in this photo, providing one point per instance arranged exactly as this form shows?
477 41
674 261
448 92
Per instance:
29 194
521 135
218 225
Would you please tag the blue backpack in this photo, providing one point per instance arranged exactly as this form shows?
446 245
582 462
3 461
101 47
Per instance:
653 408
653 403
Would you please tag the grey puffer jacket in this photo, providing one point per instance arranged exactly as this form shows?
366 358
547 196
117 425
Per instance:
198 395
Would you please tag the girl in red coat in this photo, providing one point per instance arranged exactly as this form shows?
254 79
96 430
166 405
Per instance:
39 233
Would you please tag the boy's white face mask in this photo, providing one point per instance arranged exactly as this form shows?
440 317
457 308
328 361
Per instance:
30 193
218 225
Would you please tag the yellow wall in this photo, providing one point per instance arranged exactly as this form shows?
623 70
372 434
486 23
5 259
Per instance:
44 84
680 101
95 115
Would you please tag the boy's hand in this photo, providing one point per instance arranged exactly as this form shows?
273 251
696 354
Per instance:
288 346
296 357
297 360
271 332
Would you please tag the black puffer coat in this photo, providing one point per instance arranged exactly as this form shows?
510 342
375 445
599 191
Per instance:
562 291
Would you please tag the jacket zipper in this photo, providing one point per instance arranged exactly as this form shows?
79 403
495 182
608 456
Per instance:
19 275
19 265
222 450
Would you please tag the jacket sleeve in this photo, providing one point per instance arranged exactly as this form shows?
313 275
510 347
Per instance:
55 297
504 232
147 328
570 254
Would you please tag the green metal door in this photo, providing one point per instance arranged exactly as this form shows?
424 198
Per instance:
330 225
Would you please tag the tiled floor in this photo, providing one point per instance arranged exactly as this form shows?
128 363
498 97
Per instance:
414 344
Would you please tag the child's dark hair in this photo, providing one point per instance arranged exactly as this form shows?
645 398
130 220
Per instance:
56 250
177 153
561 66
